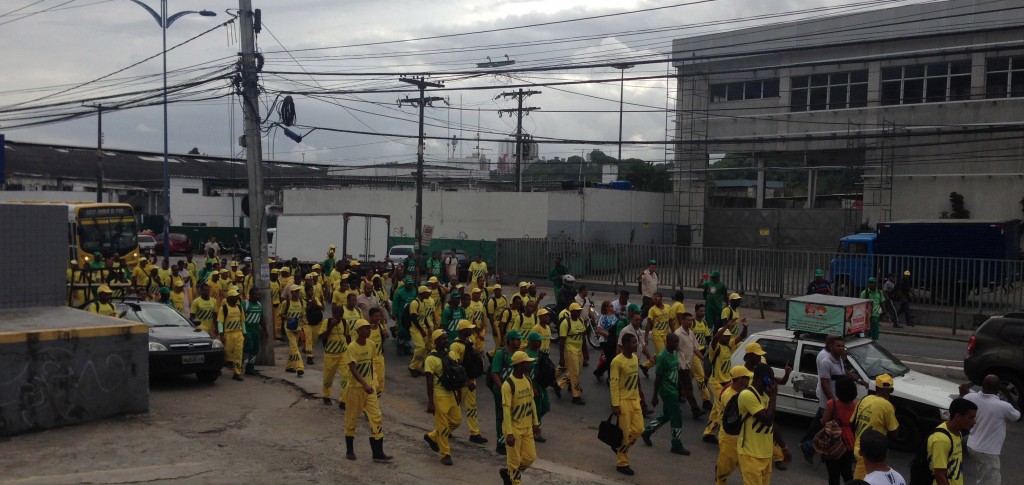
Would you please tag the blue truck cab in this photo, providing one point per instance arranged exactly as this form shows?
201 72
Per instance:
854 263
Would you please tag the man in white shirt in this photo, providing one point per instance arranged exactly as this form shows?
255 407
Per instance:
451 267
987 436
873 448
688 347
648 285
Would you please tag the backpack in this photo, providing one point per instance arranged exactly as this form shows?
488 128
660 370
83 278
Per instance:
314 315
453 374
472 362
921 472
545 370
732 422
293 323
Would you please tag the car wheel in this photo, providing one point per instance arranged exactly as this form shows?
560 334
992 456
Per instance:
208 376
1012 382
908 436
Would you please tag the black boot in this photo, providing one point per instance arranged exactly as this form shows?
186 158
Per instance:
377 445
350 453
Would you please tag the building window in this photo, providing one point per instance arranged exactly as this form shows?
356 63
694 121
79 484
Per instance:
1004 77
926 83
816 92
189 190
742 90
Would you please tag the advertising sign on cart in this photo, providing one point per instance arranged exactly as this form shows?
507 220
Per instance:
826 314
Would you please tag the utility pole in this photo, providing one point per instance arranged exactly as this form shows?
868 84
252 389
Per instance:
254 164
422 103
622 77
519 95
99 150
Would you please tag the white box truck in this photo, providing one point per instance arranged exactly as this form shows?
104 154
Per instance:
363 237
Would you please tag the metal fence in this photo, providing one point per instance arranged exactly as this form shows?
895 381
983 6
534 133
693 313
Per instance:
985 284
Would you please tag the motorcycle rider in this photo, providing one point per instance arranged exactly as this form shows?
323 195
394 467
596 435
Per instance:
567 295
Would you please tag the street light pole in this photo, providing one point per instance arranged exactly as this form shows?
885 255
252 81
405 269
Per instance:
165 21
622 77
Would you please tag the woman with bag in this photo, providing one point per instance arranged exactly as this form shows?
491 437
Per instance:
834 442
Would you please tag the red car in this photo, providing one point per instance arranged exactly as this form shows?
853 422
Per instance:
180 244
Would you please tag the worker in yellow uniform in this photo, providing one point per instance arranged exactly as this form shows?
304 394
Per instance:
676 311
75 276
361 397
102 304
477 315
420 329
293 314
628 401
204 311
758 436
873 412
520 421
728 460
702 332
333 333
178 296
527 322
275 301
231 327
571 328
458 352
722 347
543 328
477 270
659 324
495 305
314 317
378 333
441 402
286 279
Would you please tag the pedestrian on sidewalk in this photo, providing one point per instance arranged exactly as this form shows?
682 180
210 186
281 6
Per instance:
987 437
877 300
519 420
819 285
627 399
904 294
648 282
666 385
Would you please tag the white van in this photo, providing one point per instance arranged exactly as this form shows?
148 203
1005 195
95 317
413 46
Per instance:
397 254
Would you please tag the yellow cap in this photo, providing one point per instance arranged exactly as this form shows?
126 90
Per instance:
293 287
331 247
523 284
460 286
286 270
574 307
316 266
740 371
74 261
311 274
178 283
496 287
906 273
275 271
376 277
735 296
520 357
475 291
225 271
104 289
883 381
542 312
233 292
727 332
464 324
354 263
437 333
361 323
433 279
754 348
234 263
423 289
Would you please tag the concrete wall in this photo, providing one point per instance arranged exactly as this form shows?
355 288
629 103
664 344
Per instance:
63 196
61 366
608 215
33 255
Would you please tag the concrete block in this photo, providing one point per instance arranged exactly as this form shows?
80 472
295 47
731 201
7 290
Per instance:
61 366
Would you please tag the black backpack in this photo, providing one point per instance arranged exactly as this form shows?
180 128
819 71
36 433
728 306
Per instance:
732 421
472 362
453 374
921 472
314 315
545 370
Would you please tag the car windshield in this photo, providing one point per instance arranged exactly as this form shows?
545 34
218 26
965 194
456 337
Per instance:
397 251
875 360
146 239
159 316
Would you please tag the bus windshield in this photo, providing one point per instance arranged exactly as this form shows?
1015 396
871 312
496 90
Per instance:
108 230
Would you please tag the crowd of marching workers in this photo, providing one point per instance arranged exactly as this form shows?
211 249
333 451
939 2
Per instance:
461 332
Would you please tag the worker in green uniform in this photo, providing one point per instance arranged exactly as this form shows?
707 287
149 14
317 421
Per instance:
666 385
253 330
877 298
714 297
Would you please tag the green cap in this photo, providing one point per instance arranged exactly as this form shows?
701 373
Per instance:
408 281
652 262
165 290
534 336
513 334
716 274
633 307
819 272
872 280
455 294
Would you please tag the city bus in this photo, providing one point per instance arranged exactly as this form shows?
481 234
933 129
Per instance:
105 228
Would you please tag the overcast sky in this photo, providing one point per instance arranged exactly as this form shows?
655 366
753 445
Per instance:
59 48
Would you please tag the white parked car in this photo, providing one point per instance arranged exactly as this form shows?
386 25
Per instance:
921 401
147 243
397 254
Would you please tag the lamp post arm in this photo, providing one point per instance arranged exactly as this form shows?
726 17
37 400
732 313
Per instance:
152 12
172 18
